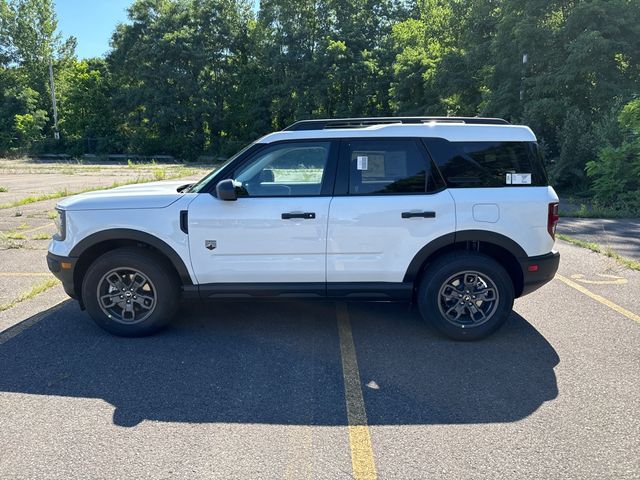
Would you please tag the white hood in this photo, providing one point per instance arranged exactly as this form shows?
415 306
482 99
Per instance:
141 195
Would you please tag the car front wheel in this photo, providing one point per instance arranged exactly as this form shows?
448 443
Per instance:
465 296
130 292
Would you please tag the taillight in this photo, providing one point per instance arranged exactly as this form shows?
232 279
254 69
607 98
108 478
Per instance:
552 219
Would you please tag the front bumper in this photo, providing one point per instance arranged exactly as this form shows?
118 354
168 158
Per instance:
547 266
63 269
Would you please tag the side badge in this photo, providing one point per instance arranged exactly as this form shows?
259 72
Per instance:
210 244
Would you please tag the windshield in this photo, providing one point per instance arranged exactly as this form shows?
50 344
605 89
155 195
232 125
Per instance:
196 187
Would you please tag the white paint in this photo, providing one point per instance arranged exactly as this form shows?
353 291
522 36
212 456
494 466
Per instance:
351 238
369 241
254 243
486 212
523 214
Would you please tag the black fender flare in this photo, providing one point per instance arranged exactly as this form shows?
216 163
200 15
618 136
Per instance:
487 236
137 236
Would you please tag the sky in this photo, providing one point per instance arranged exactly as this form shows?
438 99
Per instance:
92 22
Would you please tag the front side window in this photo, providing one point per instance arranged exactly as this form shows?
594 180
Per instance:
386 166
288 169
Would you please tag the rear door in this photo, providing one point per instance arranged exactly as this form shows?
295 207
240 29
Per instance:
388 205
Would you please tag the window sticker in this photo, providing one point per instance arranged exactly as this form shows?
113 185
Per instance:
363 162
518 179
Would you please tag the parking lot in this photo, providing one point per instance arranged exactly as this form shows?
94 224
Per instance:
26 224
310 390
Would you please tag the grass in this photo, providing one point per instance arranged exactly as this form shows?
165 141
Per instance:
141 165
41 236
4 189
36 198
52 215
159 174
32 292
595 247
584 212
593 209
13 235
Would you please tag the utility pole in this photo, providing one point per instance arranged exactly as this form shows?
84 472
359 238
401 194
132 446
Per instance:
523 74
56 132
525 59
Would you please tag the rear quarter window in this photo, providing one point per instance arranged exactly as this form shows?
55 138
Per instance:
486 164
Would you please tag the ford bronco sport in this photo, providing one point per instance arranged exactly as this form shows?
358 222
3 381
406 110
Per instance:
453 214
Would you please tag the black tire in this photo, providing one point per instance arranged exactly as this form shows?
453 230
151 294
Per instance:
150 307
446 290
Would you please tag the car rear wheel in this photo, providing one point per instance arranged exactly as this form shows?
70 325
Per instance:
131 292
465 296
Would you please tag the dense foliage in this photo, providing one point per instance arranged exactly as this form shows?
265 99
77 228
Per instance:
203 77
616 172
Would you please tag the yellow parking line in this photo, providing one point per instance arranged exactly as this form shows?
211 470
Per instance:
362 461
35 229
627 313
24 274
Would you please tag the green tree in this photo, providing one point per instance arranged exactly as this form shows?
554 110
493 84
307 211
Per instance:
292 44
85 107
35 43
21 121
582 61
28 43
173 66
442 57
616 172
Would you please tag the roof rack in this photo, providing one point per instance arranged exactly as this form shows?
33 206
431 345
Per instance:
323 124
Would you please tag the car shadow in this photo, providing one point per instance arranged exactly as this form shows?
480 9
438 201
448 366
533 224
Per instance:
279 363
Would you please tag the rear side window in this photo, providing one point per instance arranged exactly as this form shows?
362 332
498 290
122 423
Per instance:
394 166
488 164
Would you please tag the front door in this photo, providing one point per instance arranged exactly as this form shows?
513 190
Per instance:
276 231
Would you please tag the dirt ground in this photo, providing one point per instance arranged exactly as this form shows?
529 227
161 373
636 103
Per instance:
26 219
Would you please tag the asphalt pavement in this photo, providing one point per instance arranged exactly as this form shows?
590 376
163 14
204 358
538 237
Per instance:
319 390
621 235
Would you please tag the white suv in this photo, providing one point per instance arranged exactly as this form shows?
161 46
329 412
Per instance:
454 214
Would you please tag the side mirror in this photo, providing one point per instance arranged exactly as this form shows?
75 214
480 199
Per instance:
226 190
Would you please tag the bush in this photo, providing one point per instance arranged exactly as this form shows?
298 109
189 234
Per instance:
616 172
577 146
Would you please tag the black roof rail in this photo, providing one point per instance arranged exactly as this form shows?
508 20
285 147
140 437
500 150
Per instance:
322 124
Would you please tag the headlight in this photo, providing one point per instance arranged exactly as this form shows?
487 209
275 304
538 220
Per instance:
61 224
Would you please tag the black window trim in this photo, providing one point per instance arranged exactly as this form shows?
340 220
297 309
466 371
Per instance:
344 168
328 178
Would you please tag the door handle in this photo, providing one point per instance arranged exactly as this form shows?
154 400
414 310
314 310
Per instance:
305 216
419 214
